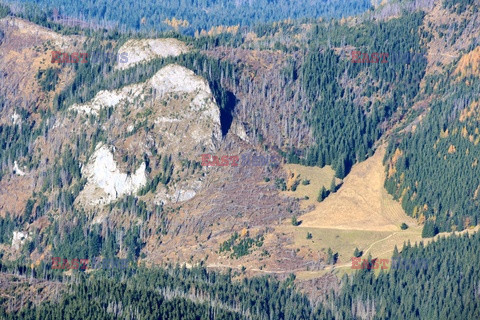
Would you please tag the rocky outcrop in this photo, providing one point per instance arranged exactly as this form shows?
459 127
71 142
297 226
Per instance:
19 239
184 118
141 50
105 182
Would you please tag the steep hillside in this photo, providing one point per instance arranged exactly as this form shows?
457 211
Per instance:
125 154
105 159
361 203
433 165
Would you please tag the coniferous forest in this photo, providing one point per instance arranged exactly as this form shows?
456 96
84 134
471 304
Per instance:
284 82
444 149
190 16
445 286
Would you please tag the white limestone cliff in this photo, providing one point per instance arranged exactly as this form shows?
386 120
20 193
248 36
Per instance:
105 182
141 50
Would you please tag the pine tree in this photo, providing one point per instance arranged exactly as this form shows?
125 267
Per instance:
357 253
429 229
333 185
332 257
295 221
322 194
340 170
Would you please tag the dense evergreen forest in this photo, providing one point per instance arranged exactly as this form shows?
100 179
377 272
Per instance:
432 168
436 170
189 16
345 130
449 288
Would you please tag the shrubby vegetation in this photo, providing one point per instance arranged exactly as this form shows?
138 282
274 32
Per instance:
240 246
280 184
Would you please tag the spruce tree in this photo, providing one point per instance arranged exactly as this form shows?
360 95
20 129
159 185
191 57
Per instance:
333 185
340 170
429 229
357 253
322 194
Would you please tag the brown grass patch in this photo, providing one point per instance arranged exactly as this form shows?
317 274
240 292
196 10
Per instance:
318 177
362 203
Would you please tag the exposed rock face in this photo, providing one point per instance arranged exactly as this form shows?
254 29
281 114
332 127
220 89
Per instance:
136 51
239 130
17 170
175 78
105 99
19 239
184 104
105 182
16 119
184 118
183 192
200 121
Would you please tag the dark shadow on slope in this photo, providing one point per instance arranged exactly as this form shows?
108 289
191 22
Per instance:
227 106
226 101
